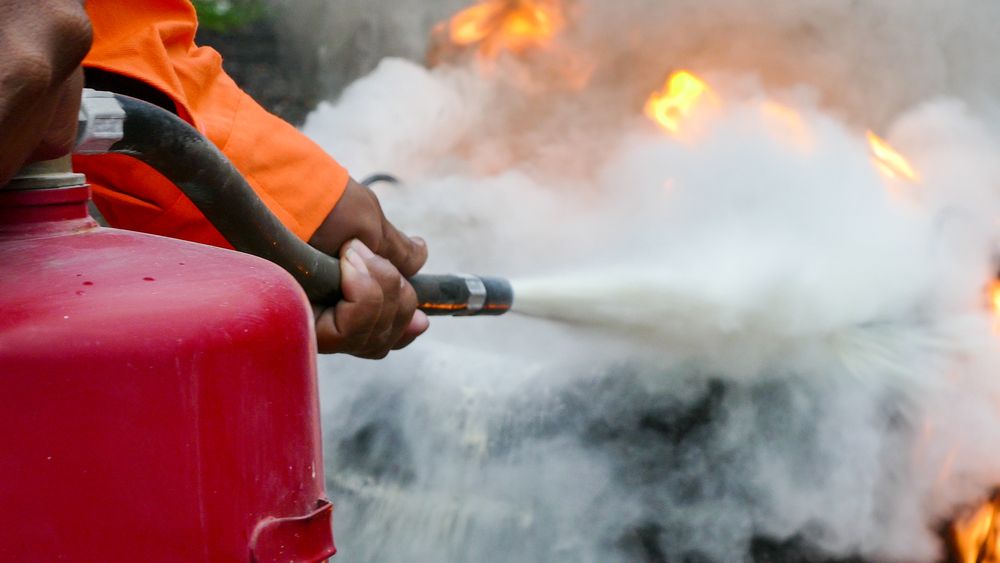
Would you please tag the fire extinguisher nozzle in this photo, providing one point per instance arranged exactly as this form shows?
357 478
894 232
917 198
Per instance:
463 295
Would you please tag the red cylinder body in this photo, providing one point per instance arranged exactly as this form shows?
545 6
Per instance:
158 398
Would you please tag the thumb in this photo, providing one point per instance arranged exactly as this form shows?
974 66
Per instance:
348 325
407 254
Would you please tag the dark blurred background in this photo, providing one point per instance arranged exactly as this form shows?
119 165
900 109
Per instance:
277 75
291 54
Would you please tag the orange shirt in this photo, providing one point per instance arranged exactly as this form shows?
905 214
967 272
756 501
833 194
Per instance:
153 41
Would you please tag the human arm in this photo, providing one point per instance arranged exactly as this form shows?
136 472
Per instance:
43 43
147 47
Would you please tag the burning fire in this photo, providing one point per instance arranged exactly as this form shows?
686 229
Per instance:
493 27
516 26
977 536
890 162
684 92
994 299
677 100
527 29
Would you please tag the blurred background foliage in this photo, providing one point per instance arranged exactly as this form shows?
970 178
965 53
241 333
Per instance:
227 15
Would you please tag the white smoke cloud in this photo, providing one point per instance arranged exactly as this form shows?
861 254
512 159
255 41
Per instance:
772 344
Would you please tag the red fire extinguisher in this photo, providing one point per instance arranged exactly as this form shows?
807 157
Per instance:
157 398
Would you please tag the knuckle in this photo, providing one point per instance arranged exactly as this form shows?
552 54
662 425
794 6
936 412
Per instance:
405 313
379 355
325 329
396 284
372 294
378 299
370 194
385 246
354 345
387 274
408 298
327 344
350 328
420 254
404 254
30 74
50 46
371 353
356 328
75 35
374 236
388 336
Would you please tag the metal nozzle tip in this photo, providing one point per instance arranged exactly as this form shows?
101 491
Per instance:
462 295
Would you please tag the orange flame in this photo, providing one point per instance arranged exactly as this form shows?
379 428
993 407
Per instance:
977 536
993 295
889 161
677 100
506 25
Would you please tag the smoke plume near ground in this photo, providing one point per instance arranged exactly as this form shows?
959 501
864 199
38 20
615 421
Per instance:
772 343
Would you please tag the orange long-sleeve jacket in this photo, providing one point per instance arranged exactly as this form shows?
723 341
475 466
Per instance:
152 42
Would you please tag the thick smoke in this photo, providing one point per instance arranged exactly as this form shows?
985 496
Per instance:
871 59
776 353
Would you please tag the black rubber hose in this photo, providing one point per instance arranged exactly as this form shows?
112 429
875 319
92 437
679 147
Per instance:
380 179
185 157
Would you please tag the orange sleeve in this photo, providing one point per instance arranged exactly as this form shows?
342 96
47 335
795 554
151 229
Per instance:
152 41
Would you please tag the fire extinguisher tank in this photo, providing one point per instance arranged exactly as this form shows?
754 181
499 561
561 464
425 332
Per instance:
158 398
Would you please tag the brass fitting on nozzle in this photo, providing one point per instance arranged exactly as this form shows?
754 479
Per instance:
462 295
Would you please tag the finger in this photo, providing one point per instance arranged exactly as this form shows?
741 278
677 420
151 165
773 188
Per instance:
404 314
407 254
391 282
418 325
328 339
348 326
61 133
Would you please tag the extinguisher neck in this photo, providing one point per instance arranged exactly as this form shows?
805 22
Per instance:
45 197
45 175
